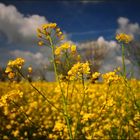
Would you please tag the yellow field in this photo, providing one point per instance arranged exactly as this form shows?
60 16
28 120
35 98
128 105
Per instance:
81 104
109 111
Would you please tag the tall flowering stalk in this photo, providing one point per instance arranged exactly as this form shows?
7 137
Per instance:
123 39
51 35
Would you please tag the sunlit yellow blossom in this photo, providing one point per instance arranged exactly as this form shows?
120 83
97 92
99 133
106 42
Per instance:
11 75
95 75
57 29
18 63
15 133
86 117
78 58
38 30
110 77
62 37
73 48
39 35
8 126
57 51
124 38
49 25
8 69
30 69
59 33
79 69
14 94
48 33
40 43
65 45
58 126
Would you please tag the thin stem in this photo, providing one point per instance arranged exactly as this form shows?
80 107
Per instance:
23 113
63 96
81 106
40 93
123 60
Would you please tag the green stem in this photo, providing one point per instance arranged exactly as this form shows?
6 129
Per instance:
13 102
123 60
39 92
81 106
63 96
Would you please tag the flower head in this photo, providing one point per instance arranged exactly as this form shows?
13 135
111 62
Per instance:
30 69
78 70
124 38
49 33
18 63
111 77
65 47
12 66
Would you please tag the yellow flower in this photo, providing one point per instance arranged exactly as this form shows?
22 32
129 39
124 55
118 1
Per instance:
30 69
57 29
124 38
95 75
49 25
39 35
11 75
57 51
18 62
86 117
59 126
8 126
73 48
59 33
38 30
8 69
40 43
62 37
78 70
49 32
111 77
78 57
15 133
65 45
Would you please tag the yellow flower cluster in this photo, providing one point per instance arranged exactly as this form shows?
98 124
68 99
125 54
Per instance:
95 76
124 38
14 64
64 47
49 32
11 95
78 70
17 63
111 77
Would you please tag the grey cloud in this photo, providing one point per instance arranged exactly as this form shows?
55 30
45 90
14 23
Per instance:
34 59
17 27
125 26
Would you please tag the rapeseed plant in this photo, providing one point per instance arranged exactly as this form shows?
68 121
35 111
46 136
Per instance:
73 107
123 39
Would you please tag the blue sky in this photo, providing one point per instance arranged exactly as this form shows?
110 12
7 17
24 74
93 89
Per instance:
80 20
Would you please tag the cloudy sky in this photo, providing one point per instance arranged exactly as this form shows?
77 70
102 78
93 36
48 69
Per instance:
80 20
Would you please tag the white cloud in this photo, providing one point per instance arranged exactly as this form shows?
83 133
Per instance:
102 42
112 53
34 59
17 27
125 26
